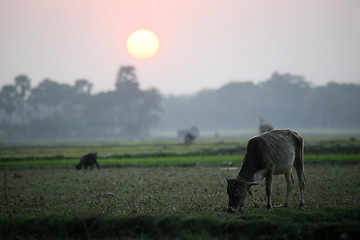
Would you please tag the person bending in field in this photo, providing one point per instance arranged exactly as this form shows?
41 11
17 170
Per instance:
88 160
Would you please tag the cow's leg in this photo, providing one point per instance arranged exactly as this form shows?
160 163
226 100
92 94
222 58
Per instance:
97 165
268 177
301 177
289 182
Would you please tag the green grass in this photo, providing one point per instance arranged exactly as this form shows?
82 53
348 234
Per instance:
232 160
341 158
76 150
107 148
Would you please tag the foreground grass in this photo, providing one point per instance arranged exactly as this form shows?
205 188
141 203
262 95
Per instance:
173 203
162 191
330 223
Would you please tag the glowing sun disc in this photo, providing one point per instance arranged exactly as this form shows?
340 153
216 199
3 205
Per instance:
142 44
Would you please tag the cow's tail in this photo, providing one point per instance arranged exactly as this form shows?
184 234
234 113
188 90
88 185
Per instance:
299 151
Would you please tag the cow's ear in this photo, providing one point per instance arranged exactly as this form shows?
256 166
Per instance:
228 180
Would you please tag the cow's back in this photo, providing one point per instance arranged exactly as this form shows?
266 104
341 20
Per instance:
280 149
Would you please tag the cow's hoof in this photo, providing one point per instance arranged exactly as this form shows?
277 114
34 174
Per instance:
302 206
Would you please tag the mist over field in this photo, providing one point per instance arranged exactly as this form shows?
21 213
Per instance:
284 101
62 111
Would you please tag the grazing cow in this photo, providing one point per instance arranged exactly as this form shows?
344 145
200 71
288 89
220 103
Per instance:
88 160
268 154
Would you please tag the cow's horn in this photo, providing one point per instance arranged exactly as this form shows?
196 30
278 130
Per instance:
252 183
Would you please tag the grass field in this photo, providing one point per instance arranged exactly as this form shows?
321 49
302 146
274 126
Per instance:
163 190
169 197
106 149
178 161
110 148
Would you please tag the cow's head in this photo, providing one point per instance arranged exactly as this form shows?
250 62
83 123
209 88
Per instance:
237 191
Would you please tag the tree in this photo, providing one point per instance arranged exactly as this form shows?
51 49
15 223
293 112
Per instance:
22 85
50 98
127 111
126 78
8 100
83 86
137 109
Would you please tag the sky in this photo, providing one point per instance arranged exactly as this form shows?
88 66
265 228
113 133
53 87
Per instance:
203 43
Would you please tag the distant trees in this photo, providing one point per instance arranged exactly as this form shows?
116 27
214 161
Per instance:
22 85
54 110
285 100
60 110
12 97
126 79
83 87
127 111
8 100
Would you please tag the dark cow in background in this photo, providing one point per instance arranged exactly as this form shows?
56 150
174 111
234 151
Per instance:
189 138
88 160
189 135
268 154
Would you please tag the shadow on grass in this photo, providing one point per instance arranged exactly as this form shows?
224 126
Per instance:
331 223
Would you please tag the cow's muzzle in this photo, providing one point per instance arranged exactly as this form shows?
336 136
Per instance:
231 209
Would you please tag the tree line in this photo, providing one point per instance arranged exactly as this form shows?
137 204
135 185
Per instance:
284 101
54 110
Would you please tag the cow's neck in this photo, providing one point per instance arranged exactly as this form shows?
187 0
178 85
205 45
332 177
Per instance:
247 171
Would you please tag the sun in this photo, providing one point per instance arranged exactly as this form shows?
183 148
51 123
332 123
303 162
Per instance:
142 44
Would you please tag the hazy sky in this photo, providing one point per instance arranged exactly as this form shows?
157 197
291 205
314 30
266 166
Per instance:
203 43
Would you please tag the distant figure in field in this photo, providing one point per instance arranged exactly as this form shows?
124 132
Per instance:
264 127
217 134
88 160
193 131
189 138
189 135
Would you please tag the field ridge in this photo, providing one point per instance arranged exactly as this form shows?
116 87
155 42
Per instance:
330 223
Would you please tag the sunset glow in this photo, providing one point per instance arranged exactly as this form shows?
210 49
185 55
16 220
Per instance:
142 44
